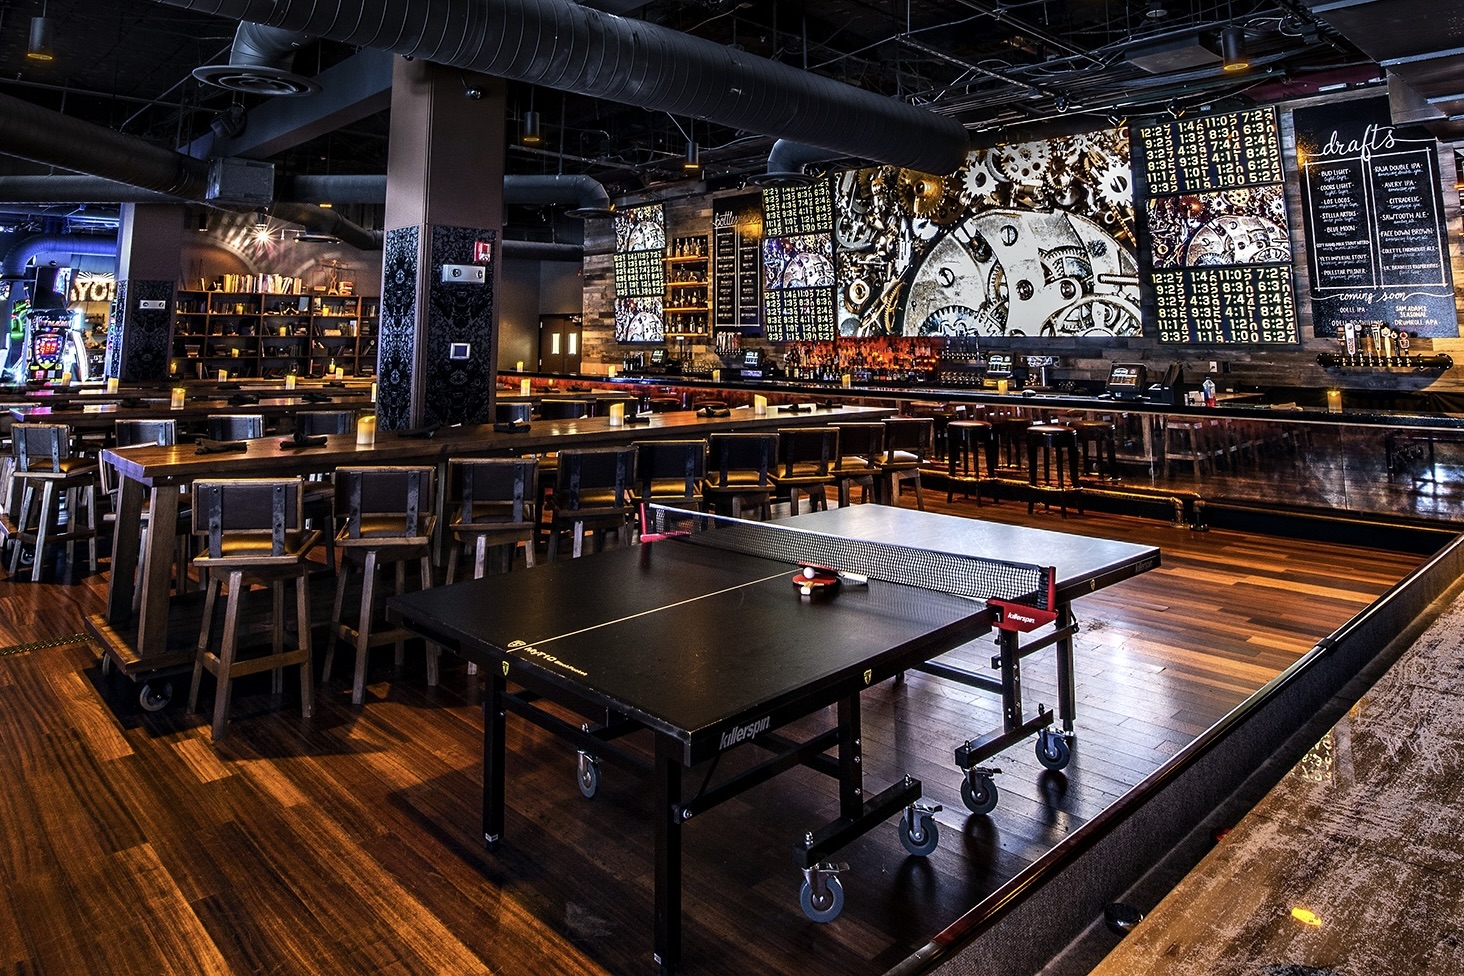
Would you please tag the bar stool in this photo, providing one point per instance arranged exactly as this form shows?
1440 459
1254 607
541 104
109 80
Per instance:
512 413
908 442
43 460
253 533
739 471
966 442
663 404
563 409
389 520
1010 435
1053 439
806 456
1186 440
492 500
235 426
860 445
1103 436
311 423
592 493
670 472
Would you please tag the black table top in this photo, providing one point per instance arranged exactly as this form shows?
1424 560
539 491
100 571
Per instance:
698 643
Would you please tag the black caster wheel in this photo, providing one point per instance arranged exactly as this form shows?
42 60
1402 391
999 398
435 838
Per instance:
588 778
155 699
1053 751
825 908
921 838
979 794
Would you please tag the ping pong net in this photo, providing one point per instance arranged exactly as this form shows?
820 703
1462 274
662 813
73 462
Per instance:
997 581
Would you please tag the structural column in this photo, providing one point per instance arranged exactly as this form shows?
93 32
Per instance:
437 355
149 262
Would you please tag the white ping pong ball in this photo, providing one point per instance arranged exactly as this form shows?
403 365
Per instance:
808 572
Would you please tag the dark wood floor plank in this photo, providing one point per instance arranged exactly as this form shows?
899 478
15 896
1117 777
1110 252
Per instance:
350 842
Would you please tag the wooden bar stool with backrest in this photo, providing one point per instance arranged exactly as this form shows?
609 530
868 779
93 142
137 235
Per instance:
388 521
253 533
554 409
670 473
739 470
806 460
908 442
235 426
319 488
512 413
148 433
44 461
860 447
492 506
594 493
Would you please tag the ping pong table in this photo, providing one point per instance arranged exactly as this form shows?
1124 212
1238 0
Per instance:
707 639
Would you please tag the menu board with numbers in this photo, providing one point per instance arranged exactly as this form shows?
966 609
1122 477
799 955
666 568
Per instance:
798 209
639 273
1375 228
1208 152
736 234
1222 305
1218 234
800 315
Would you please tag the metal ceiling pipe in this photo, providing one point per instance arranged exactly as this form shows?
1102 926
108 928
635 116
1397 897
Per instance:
75 189
261 62
788 162
45 136
37 247
561 45
584 193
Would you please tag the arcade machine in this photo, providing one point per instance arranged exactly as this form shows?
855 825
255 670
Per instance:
45 340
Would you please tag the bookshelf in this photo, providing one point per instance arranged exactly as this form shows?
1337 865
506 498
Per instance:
270 334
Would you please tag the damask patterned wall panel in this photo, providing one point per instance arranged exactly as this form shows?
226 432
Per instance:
398 337
140 339
459 317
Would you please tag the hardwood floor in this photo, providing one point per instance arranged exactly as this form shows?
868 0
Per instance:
350 843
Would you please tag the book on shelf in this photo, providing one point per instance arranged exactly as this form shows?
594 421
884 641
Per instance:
267 284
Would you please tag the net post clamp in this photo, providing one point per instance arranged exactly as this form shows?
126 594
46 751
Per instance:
1017 617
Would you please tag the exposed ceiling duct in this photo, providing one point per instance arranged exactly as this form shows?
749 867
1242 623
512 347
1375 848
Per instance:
43 247
43 136
561 45
261 62
788 163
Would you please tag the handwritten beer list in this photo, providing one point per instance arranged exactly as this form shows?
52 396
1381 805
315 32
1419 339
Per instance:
1374 219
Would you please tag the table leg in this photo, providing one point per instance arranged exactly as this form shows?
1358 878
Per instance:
1066 684
1011 679
668 857
493 754
851 764
126 538
157 572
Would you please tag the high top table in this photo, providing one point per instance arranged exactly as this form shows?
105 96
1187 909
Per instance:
142 643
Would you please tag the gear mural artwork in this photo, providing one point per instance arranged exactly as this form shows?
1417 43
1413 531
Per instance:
1241 226
1033 239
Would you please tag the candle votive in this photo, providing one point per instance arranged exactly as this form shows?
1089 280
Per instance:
177 398
373 392
520 366
289 381
65 379
759 406
1334 401
112 384
366 431
523 387
617 415
1003 386
223 375
340 372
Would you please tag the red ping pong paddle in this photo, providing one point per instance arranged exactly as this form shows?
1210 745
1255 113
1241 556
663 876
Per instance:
813 577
